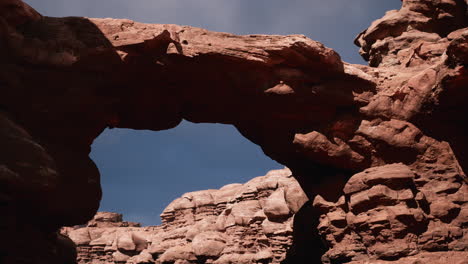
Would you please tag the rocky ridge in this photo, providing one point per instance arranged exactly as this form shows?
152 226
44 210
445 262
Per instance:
64 80
239 223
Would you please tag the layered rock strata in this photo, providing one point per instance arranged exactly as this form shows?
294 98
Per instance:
64 80
239 223
391 213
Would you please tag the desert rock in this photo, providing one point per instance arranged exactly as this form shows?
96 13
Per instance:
191 232
402 120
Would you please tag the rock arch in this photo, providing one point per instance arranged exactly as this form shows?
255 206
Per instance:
66 79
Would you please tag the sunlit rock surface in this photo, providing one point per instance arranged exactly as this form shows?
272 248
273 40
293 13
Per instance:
398 125
239 223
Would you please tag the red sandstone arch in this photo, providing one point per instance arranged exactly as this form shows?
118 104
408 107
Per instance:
64 80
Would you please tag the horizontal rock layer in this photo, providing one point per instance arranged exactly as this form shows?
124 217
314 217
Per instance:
239 223
391 213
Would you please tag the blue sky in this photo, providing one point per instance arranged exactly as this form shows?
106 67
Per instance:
142 171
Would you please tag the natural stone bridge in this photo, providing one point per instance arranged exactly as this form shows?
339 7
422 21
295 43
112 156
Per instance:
64 80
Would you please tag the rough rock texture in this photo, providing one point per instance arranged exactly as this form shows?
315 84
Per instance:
390 212
239 223
108 219
64 80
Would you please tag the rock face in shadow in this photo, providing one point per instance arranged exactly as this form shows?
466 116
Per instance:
239 223
64 80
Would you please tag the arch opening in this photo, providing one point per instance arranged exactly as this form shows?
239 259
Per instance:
135 165
143 171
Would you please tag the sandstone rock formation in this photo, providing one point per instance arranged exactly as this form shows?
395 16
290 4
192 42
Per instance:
64 80
390 212
239 223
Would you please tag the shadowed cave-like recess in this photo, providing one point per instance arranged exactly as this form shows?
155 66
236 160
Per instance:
379 144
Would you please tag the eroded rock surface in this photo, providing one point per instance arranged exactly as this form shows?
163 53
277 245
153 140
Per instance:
390 212
239 223
64 80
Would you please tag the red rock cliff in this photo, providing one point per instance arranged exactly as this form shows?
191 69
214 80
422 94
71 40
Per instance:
398 125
